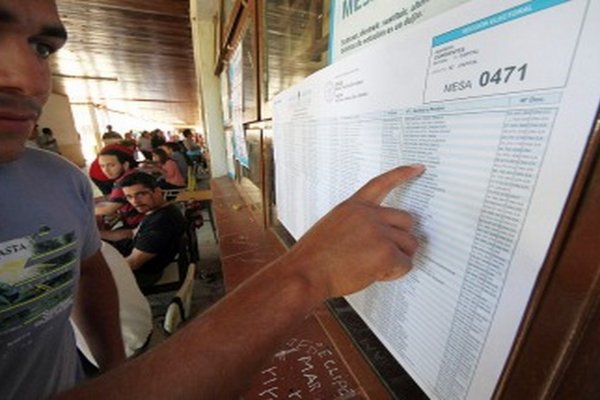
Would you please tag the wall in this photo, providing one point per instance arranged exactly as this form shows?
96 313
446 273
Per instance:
57 116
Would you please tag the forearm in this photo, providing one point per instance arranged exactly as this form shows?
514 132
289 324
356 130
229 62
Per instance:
220 348
269 307
96 312
106 208
117 234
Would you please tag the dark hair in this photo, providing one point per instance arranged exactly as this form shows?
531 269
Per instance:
162 155
187 132
122 156
174 146
139 178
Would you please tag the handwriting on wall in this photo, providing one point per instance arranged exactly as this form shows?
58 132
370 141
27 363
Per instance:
304 369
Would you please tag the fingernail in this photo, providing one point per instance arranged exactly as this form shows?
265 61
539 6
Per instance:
417 166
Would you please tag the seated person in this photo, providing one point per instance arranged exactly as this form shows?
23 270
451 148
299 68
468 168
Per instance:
102 182
193 150
145 145
155 242
116 161
175 153
172 178
134 310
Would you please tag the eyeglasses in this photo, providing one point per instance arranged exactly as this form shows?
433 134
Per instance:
138 195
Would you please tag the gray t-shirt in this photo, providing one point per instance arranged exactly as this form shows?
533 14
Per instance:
47 226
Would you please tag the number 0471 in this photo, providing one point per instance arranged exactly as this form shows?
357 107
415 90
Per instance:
503 75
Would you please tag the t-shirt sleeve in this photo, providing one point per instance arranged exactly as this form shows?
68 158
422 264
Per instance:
153 239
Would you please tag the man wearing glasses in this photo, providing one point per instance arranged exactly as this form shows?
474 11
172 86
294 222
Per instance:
154 244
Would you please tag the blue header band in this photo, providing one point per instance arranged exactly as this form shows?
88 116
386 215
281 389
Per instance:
516 12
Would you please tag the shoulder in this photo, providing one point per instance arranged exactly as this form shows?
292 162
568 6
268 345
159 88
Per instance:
48 163
40 177
173 208
41 167
169 212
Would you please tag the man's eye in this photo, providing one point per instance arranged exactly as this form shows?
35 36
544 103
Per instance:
42 49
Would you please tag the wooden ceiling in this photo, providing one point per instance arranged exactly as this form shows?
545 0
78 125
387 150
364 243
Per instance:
131 56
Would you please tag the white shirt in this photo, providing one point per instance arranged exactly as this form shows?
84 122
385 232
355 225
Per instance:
134 309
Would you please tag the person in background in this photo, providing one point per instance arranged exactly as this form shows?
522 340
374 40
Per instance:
47 141
129 136
155 242
102 182
130 142
157 138
100 179
173 151
357 243
174 137
110 136
145 145
189 142
116 161
193 150
172 178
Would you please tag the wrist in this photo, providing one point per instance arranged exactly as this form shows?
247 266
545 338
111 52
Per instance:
308 276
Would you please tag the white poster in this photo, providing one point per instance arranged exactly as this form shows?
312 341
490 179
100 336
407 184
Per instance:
497 99
356 24
236 77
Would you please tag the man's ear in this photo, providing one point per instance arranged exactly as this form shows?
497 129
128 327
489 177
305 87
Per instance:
126 165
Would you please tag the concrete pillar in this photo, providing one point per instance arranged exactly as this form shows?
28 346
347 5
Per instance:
209 85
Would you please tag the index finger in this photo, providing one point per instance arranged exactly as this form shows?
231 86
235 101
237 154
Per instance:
378 188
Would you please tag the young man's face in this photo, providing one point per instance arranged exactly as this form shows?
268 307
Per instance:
30 30
144 200
111 166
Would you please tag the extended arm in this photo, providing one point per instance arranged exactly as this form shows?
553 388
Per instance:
116 235
96 312
107 208
137 258
354 245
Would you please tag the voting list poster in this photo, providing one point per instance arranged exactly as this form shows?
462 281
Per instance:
355 24
497 99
